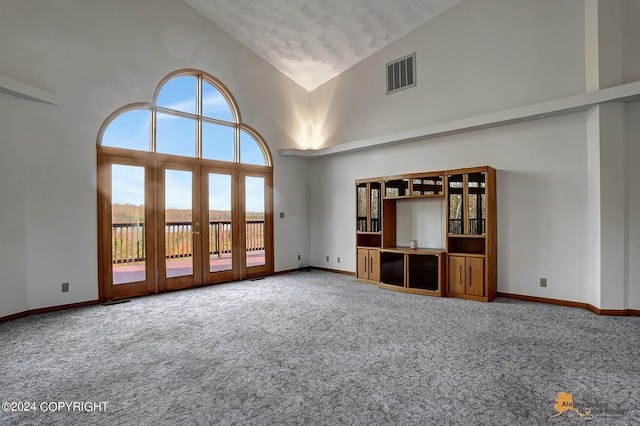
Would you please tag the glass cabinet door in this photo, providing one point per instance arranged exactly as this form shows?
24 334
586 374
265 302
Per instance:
369 207
361 194
456 189
477 203
376 205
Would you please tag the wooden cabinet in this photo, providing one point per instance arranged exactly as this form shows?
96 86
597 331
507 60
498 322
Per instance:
368 228
471 233
419 271
466 275
369 265
467 222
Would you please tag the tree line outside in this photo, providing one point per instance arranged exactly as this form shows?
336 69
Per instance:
128 233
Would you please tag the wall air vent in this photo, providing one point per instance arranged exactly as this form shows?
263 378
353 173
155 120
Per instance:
401 73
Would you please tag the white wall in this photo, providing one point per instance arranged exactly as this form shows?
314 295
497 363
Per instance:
541 190
13 229
633 204
631 41
98 56
480 56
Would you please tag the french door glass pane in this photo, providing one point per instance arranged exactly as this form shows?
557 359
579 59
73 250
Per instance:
127 224
255 214
220 238
178 226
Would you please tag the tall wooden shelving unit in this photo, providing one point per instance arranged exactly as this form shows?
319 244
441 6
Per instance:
472 233
465 268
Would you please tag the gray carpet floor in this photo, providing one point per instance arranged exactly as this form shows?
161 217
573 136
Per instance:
317 348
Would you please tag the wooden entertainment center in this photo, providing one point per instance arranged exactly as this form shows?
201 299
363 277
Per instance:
465 268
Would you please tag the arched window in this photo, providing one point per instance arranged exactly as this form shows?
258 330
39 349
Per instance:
184 191
192 115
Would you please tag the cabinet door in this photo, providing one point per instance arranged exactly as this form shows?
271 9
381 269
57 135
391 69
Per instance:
374 265
375 206
456 274
475 276
361 207
455 204
363 264
476 203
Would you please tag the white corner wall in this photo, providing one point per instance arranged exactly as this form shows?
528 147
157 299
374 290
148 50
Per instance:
633 205
479 56
97 56
541 190
562 197
13 228
631 68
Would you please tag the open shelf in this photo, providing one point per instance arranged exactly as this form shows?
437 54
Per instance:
467 244
368 239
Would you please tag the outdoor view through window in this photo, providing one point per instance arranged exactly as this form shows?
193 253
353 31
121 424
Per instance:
190 118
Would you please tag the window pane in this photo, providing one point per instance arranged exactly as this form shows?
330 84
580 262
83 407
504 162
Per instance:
250 150
220 238
218 142
179 94
175 135
127 224
254 196
214 104
178 224
129 130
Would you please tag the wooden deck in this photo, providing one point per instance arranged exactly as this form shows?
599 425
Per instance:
133 272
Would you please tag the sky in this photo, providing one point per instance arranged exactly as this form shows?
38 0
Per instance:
176 135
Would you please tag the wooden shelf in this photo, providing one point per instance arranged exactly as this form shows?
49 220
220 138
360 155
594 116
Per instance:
465 268
409 250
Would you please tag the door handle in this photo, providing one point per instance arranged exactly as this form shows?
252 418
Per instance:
196 232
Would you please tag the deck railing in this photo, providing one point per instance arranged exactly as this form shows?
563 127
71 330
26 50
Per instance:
128 242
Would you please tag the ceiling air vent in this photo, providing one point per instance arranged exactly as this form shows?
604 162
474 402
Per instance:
401 73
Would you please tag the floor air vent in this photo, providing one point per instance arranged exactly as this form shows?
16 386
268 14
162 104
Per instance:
401 73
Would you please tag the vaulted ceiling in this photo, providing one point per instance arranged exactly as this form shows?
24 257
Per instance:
312 41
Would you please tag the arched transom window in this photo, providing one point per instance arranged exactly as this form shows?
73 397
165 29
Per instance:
192 115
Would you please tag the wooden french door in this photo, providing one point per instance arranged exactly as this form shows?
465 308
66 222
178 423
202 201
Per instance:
173 225
179 226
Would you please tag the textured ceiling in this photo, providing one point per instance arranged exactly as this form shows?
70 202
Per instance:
312 41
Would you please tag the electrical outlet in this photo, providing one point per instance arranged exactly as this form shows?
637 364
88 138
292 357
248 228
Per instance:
65 287
298 257
338 260
281 215
327 258
543 282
